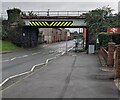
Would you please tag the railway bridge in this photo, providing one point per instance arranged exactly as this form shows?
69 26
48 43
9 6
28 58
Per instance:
50 19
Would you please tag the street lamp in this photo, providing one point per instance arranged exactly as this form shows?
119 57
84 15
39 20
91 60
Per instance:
81 31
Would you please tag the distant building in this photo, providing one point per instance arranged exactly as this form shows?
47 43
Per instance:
64 33
52 35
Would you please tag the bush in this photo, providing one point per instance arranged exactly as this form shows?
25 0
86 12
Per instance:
15 35
3 34
105 37
13 14
116 38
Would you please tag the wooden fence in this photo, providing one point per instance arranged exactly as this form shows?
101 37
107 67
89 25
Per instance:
112 57
104 53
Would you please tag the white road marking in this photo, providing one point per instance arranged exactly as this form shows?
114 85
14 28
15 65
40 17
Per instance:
4 60
27 72
25 56
9 60
32 69
13 59
19 57
63 53
36 53
58 50
19 74
7 79
36 66
44 45
70 49
4 82
46 61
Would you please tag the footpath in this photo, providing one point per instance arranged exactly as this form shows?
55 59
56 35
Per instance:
73 75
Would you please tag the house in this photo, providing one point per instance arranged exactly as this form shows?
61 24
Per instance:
52 35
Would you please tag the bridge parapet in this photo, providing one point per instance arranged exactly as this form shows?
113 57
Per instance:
52 14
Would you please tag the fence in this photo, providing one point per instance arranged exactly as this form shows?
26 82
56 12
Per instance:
108 54
117 62
53 13
104 53
112 57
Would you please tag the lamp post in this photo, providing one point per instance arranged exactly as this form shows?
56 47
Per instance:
67 34
66 42
81 31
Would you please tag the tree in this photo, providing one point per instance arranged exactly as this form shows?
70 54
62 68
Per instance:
98 20
5 29
13 14
15 24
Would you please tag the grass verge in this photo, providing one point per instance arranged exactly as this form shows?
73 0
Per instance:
6 46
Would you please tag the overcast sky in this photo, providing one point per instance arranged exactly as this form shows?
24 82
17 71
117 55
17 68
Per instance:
61 5
58 5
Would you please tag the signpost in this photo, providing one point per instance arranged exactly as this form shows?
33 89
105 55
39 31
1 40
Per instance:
67 35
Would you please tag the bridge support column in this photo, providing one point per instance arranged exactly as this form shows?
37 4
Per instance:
29 37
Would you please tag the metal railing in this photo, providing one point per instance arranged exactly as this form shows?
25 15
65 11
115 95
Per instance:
47 13
52 13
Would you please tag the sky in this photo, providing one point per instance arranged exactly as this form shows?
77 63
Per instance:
74 6
58 5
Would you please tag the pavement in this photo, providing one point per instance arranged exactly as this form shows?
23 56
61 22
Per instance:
73 75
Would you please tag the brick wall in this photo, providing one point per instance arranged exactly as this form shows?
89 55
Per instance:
117 62
112 57
111 49
108 55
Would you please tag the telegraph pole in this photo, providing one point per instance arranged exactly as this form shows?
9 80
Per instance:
48 12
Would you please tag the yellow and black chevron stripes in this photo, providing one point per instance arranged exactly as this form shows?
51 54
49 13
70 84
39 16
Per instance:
58 24
51 23
40 24
62 24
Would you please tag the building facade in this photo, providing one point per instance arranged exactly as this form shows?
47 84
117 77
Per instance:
52 35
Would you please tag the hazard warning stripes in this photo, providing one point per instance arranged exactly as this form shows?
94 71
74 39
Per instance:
51 23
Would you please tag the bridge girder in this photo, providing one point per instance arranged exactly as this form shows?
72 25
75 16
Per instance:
75 22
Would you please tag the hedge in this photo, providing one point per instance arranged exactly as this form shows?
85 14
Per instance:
105 37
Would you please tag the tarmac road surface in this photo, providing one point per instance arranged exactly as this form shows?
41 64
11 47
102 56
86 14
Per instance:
23 60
